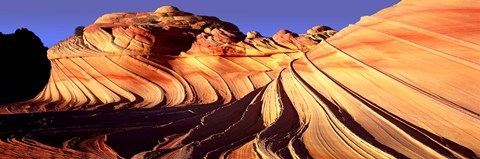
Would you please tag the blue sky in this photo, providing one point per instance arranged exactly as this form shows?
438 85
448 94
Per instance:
55 20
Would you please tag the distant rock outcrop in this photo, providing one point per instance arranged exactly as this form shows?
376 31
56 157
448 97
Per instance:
24 66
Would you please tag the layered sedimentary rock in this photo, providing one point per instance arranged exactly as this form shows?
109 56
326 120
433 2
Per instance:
162 58
402 83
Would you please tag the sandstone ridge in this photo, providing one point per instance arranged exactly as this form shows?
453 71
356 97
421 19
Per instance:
175 58
170 31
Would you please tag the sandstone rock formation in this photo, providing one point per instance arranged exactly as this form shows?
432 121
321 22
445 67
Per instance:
126 60
402 83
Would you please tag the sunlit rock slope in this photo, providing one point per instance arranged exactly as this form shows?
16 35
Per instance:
163 58
402 83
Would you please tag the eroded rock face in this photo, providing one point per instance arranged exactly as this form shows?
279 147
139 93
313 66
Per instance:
167 31
162 58
401 83
218 41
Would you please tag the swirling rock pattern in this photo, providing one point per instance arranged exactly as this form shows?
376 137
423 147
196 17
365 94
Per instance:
161 59
402 83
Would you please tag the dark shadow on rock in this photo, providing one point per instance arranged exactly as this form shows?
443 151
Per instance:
24 66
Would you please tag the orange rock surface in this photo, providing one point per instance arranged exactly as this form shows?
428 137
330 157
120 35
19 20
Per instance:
402 83
162 58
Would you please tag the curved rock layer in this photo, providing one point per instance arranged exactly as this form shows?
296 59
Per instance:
402 83
126 60
162 58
